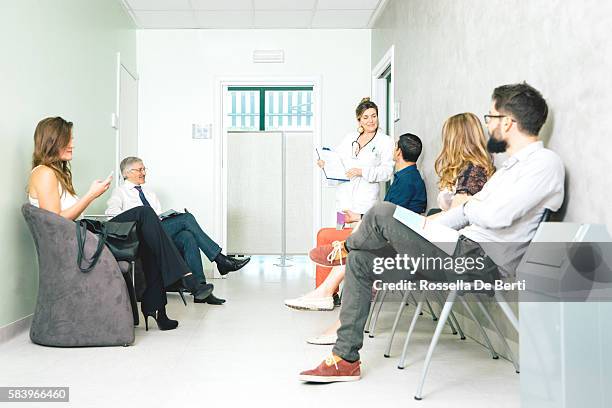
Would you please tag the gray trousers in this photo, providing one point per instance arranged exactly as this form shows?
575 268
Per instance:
380 235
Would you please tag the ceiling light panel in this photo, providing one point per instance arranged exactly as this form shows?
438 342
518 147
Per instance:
159 4
341 18
283 19
224 19
347 4
222 5
284 4
165 19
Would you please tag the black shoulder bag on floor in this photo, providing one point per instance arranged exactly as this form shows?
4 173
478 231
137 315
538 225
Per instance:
121 238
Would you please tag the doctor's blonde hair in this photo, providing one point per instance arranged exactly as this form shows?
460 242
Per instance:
463 143
363 106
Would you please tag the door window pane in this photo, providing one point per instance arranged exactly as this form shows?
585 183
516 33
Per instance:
274 108
288 110
243 110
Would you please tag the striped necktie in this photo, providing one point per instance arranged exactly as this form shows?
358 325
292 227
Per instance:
142 196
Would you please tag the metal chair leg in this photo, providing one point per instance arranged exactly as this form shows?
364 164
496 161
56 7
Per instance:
492 351
372 306
448 306
507 310
501 336
454 319
133 267
375 320
408 300
402 305
440 299
433 315
402 362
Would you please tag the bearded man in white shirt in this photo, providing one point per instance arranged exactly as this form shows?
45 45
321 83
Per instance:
184 230
495 224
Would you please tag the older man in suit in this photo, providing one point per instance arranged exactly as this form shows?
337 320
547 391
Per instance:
183 228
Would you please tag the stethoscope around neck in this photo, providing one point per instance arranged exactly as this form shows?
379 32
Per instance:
356 147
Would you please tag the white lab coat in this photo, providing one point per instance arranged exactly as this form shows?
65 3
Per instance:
376 161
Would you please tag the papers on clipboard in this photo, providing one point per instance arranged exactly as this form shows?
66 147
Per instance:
334 167
441 236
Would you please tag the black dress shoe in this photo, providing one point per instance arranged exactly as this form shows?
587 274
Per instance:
227 264
211 300
202 292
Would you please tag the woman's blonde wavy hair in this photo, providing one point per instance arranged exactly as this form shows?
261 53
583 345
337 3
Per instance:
51 136
463 143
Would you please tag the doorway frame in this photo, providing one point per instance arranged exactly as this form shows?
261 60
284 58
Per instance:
386 62
220 146
117 116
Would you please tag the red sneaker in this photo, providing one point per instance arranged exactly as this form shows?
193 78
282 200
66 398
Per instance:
330 255
333 369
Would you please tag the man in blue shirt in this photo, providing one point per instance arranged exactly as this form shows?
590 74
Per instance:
408 188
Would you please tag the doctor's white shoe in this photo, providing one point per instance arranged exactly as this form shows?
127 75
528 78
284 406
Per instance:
311 303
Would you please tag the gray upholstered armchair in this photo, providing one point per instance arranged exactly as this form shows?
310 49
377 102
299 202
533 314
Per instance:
75 308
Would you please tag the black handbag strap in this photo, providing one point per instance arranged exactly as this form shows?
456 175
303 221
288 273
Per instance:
81 233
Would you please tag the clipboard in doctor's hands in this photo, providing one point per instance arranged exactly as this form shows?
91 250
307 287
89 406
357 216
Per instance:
334 167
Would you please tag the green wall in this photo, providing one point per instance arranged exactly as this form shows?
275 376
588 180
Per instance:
57 58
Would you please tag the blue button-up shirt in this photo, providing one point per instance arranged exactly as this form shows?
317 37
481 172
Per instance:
408 190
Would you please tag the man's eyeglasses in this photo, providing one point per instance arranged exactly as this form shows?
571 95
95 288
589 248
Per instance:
487 118
140 170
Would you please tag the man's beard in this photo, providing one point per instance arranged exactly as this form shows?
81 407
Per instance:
495 145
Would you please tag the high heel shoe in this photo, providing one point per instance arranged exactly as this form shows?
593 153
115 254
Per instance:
162 320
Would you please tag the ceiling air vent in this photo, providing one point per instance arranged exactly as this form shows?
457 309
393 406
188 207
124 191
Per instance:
268 56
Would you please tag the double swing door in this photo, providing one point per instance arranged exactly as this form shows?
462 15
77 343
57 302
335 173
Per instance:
269 185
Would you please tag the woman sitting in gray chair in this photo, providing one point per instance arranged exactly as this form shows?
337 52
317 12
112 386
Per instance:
50 188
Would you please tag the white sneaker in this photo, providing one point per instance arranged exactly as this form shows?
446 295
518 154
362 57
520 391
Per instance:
323 339
311 303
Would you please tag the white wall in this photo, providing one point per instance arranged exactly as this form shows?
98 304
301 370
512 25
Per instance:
451 54
178 70
57 58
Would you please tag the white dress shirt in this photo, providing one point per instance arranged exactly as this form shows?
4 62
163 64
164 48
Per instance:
511 204
126 197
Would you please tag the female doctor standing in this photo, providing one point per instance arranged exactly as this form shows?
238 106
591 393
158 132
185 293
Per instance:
368 157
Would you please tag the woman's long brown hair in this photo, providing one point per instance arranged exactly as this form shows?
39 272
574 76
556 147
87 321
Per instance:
463 143
50 137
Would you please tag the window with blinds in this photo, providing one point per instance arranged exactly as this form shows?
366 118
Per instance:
270 108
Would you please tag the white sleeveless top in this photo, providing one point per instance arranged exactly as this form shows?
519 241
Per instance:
66 200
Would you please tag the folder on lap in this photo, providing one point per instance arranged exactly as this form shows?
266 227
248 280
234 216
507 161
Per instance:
441 236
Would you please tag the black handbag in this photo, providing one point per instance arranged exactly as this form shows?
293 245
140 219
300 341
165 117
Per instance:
121 238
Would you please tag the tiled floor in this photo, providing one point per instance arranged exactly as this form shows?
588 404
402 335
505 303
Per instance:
249 353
